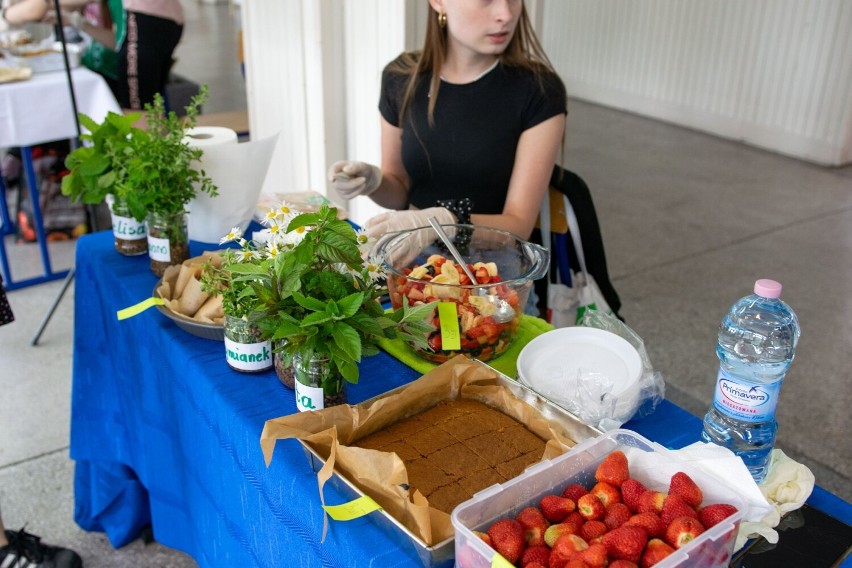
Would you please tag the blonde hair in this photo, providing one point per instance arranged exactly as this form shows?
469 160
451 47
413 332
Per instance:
524 50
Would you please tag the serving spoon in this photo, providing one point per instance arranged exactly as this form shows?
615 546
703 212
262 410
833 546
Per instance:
503 312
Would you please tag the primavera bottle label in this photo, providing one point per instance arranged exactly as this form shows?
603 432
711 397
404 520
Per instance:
248 356
745 401
159 250
309 398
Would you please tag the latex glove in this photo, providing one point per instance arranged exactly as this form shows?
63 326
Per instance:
352 179
393 221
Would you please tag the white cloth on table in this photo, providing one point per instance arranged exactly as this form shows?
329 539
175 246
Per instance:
39 110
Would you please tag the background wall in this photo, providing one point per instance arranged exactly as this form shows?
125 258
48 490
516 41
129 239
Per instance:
772 73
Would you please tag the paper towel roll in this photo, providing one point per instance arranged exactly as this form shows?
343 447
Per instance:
204 136
237 170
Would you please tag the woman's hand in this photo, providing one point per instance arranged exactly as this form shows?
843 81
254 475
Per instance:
352 179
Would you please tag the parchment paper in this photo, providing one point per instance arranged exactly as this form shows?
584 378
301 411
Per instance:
382 475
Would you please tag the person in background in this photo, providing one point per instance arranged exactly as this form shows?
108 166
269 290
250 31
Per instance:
471 125
103 23
22 549
145 57
14 13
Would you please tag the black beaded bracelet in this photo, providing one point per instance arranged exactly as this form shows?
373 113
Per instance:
461 209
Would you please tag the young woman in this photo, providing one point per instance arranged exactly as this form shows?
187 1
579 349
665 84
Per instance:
471 124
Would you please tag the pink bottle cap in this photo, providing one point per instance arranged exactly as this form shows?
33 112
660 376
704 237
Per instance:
767 288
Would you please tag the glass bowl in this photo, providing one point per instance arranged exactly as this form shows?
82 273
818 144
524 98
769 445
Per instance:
488 311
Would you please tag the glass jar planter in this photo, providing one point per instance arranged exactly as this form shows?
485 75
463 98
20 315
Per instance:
130 234
168 240
244 350
283 365
317 387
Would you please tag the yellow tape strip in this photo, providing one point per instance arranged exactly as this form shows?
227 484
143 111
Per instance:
138 308
449 317
352 510
497 561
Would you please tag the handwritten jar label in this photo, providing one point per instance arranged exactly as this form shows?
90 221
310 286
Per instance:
248 356
159 249
128 228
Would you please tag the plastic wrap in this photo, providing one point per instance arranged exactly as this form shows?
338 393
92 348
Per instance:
594 403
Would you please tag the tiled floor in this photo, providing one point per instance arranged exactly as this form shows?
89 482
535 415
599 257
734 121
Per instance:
689 220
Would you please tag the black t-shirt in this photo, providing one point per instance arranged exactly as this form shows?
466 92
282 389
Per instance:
470 150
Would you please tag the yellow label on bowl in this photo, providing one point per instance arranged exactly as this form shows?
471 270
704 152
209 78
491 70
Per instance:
449 317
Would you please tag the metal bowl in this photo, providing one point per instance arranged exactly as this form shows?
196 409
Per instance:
213 331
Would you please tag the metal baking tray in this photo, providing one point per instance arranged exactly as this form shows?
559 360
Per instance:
442 554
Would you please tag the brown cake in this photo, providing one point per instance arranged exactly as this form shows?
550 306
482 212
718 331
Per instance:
458 448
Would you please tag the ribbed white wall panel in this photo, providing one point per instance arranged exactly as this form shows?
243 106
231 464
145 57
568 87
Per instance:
773 73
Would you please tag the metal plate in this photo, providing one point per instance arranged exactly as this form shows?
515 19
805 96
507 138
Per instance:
213 331
442 554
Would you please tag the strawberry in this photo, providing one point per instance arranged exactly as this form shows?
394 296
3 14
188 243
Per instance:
651 502
655 551
537 553
712 515
573 562
607 493
591 507
508 538
683 530
616 515
556 508
674 507
574 491
621 563
595 556
575 519
592 529
484 536
631 489
683 486
534 525
566 546
651 522
613 469
626 543
535 565
553 532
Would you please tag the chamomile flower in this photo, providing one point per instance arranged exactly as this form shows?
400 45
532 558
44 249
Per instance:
233 235
285 210
295 236
247 255
271 215
365 241
374 270
272 249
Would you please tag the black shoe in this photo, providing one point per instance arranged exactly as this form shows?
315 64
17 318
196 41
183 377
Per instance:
26 550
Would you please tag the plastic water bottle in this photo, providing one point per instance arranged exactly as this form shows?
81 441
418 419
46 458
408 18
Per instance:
756 344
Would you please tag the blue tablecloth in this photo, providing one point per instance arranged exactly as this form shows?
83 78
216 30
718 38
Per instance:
163 432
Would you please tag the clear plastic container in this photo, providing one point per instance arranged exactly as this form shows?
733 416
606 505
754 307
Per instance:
712 549
756 345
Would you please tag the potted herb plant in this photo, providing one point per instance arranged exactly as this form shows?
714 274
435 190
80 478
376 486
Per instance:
245 350
98 168
152 174
319 291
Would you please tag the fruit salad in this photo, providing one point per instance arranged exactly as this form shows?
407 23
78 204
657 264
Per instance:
481 336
